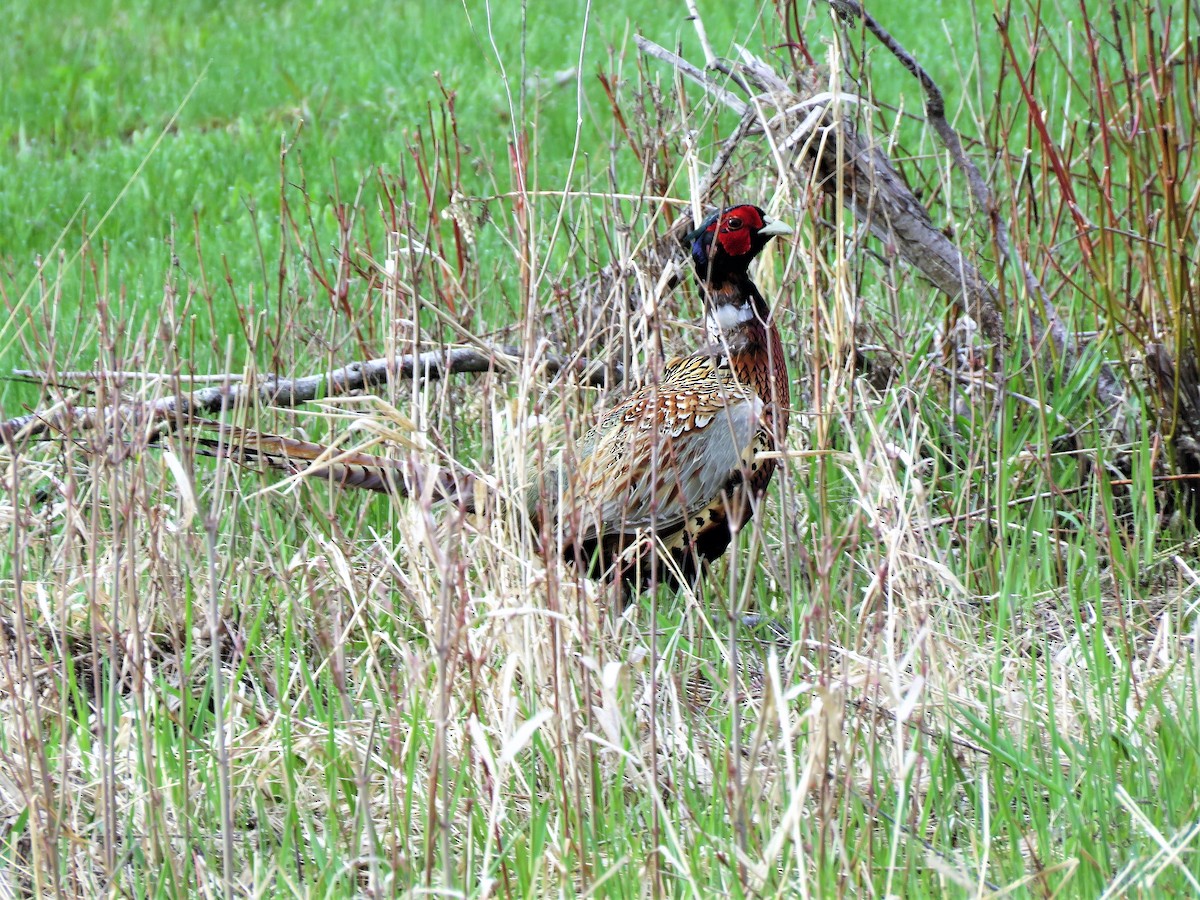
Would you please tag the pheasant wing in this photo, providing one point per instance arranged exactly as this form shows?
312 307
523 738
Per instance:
661 456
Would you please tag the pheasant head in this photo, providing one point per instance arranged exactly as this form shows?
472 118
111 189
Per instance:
725 243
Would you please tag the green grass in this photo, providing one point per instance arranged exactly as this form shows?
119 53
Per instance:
90 88
392 700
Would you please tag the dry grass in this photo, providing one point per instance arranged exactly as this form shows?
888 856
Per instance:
219 682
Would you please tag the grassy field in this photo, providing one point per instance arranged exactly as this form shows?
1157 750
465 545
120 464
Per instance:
215 681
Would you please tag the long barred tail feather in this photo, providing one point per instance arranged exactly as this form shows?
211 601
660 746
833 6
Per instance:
343 468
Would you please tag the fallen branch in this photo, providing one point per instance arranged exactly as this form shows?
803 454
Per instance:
272 390
1109 388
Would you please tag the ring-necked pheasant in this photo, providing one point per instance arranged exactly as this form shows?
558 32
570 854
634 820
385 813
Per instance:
679 459
676 465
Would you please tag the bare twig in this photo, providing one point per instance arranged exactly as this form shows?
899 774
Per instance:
935 114
696 74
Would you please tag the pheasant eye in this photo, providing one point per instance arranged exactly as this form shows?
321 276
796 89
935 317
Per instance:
733 223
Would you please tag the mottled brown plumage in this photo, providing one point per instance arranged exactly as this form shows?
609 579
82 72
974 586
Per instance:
677 465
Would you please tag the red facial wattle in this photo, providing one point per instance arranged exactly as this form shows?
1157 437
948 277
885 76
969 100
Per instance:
735 242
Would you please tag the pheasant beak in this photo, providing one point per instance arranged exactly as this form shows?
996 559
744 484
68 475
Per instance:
774 228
